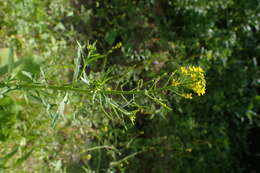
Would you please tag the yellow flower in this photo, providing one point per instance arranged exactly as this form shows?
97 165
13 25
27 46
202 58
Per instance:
191 69
89 156
184 70
199 88
196 75
118 45
175 83
141 132
187 96
189 149
109 89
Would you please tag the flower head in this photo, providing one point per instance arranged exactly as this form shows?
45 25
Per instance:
187 96
196 77
175 83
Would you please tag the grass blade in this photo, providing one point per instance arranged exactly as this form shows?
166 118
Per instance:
10 60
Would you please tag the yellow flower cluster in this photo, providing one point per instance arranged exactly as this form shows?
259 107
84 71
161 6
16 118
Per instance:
196 74
199 88
191 69
118 45
189 150
175 83
187 96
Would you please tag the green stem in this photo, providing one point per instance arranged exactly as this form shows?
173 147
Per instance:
69 88
125 158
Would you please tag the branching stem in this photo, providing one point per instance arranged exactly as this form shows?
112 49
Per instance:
70 88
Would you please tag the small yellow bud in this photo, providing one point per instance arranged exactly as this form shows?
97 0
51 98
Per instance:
187 96
175 83
117 46
105 129
189 150
89 156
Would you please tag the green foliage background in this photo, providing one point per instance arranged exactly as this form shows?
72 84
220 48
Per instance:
204 134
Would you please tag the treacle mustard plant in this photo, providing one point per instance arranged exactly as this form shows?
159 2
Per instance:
101 89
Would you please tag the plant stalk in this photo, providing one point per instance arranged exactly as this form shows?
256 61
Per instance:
15 86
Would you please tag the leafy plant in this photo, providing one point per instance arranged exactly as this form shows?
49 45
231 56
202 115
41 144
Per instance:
118 104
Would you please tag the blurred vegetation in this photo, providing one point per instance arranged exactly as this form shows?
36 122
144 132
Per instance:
77 44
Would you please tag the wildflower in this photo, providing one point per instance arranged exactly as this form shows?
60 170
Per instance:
187 96
118 45
141 132
196 75
191 69
189 150
175 83
109 89
199 88
184 70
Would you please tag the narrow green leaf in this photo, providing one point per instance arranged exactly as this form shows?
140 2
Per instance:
62 105
60 111
23 158
55 117
11 60
77 63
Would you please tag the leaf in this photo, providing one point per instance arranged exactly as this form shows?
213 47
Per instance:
28 74
11 60
54 119
23 158
60 111
7 60
90 60
8 113
62 105
4 56
9 64
110 36
30 66
4 68
77 63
